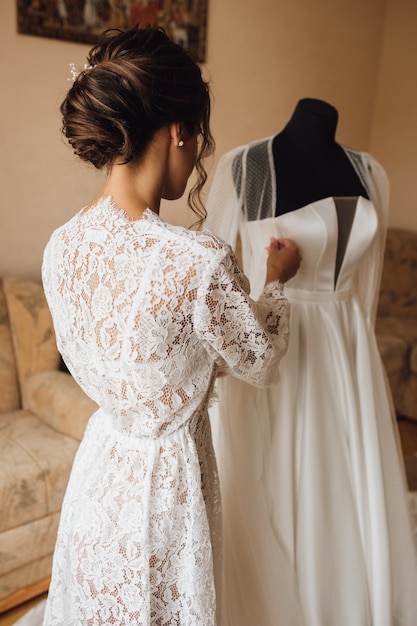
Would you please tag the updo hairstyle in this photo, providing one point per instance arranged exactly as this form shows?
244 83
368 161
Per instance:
136 82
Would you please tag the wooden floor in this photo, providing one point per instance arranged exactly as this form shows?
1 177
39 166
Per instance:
10 617
408 437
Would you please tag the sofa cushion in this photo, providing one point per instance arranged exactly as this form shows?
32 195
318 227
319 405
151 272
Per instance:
35 463
31 327
398 292
397 342
9 390
408 404
393 351
413 358
27 543
397 336
29 574
59 401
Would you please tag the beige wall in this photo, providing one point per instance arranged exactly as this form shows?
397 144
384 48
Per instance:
394 127
262 57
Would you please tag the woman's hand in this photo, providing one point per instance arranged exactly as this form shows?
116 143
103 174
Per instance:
283 260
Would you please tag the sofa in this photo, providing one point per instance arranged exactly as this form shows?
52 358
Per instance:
396 324
43 414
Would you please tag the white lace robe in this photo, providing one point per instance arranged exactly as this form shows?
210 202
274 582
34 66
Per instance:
145 313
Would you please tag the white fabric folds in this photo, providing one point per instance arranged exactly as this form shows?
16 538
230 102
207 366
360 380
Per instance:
317 528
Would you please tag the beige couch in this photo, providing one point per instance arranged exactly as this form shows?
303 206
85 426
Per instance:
43 413
396 325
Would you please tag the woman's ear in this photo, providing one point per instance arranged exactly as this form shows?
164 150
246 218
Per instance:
177 134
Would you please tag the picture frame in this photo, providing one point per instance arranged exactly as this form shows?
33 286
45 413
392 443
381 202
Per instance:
83 21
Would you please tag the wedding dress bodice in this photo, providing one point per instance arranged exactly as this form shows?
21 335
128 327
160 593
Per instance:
315 228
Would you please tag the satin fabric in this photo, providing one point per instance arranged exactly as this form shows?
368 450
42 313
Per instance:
317 529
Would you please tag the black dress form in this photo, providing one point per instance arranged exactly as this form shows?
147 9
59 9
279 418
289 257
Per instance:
309 163
309 166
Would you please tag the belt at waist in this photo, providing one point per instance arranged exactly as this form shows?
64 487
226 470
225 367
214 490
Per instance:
103 426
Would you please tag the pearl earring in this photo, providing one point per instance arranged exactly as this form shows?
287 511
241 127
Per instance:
180 143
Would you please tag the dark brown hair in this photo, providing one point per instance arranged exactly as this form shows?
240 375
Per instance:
137 81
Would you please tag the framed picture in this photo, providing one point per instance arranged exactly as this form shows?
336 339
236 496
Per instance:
84 20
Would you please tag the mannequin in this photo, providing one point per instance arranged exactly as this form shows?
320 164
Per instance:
307 144
317 526
310 165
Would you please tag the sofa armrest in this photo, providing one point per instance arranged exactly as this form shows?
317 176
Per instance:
59 401
398 292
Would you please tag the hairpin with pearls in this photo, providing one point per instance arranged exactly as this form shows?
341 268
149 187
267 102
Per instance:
74 71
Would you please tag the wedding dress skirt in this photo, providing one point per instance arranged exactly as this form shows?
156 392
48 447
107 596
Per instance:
317 528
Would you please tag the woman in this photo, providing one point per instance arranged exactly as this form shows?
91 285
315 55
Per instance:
145 316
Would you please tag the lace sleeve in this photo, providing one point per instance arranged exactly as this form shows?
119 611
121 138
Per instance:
246 338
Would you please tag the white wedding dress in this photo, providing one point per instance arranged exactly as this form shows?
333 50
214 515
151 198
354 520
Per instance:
145 313
317 529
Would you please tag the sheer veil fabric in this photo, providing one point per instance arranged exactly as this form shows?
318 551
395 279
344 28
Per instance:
317 529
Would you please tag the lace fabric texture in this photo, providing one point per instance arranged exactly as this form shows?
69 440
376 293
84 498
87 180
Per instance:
145 316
